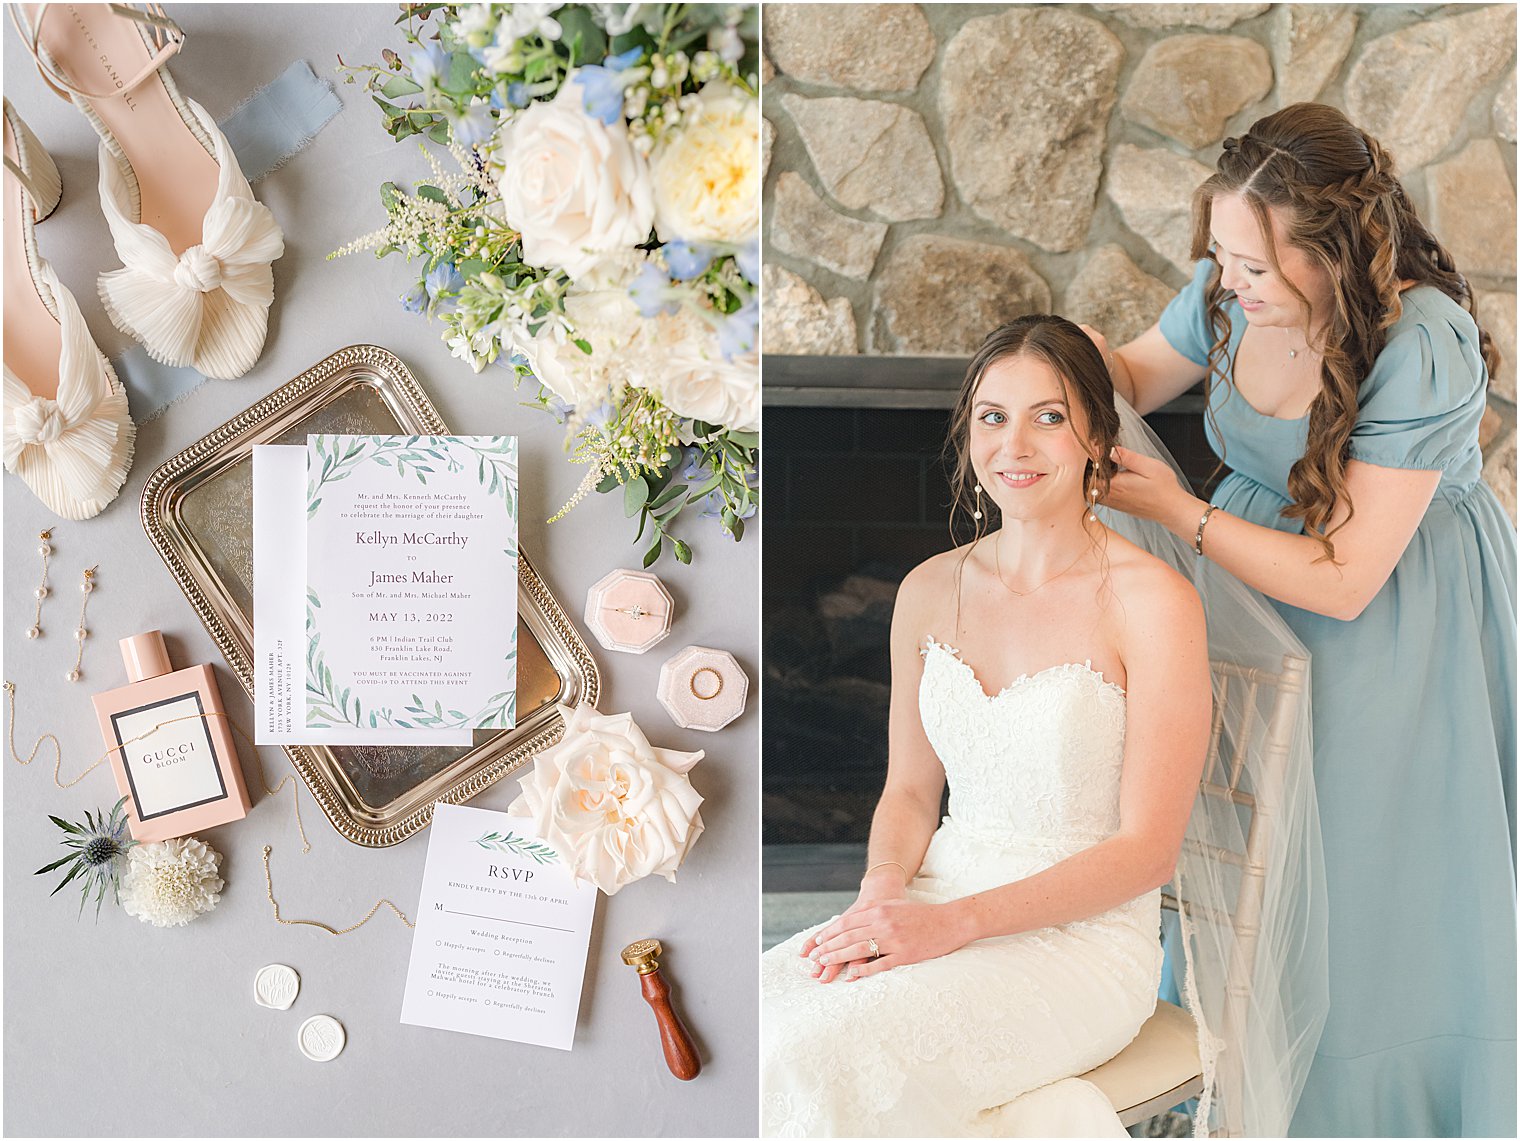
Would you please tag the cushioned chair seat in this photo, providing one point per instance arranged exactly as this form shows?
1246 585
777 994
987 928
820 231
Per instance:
1156 1071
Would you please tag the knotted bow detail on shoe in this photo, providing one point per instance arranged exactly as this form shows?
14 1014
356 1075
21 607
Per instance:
198 270
39 421
208 306
73 449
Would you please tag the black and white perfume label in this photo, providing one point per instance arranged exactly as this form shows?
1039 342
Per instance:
174 766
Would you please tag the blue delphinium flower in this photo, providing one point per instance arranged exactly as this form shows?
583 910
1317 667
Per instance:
443 278
747 259
558 407
517 94
415 300
737 332
651 291
713 504
601 415
687 259
427 61
602 85
475 126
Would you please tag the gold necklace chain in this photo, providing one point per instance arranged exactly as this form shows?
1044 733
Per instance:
997 554
278 918
289 778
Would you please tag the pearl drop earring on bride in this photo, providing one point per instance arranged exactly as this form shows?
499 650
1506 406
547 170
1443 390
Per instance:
977 514
1092 515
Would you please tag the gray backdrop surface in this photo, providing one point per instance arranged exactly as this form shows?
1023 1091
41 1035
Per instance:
121 1028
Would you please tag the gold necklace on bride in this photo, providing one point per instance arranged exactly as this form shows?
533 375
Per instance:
997 554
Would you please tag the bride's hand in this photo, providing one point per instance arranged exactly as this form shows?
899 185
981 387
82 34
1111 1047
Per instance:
875 889
905 931
1148 489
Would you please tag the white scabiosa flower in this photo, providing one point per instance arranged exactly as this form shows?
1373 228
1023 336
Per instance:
172 882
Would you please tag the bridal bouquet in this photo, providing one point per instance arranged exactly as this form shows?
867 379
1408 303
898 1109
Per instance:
600 234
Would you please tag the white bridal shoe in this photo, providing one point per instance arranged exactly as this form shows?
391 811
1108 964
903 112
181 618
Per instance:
67 432
195 284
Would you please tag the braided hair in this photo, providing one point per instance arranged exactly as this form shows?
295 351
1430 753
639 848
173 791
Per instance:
1334 188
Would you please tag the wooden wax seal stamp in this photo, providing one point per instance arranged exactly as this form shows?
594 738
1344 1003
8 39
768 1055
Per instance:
680 1053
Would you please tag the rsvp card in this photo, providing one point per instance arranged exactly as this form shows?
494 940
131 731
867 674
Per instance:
503 928
411 581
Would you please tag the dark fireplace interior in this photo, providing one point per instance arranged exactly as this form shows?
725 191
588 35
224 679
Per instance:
856 497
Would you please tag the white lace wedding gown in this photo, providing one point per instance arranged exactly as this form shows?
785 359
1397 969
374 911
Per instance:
984 1041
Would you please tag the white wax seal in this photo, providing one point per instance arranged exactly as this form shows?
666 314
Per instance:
321 1037
276 986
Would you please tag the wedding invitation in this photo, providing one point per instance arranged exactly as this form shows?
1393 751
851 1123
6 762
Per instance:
279 627
411 581
503 929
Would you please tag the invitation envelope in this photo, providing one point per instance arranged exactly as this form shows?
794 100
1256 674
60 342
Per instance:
502 934
279 636
411 581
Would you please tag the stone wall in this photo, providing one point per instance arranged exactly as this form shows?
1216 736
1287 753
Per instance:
934 170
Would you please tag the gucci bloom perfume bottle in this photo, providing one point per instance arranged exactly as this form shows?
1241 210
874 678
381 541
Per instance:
172 750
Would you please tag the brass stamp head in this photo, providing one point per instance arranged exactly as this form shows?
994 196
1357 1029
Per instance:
644 955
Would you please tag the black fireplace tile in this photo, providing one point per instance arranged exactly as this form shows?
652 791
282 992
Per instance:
843 488
901 548
797 431
916 430
798 559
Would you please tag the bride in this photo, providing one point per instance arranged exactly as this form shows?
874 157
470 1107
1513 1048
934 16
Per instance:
1057 676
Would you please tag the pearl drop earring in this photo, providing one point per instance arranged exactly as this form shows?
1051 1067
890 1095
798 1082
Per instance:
1092 516
45 549
86 588
977 514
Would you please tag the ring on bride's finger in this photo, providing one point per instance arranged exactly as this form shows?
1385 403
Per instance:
875 950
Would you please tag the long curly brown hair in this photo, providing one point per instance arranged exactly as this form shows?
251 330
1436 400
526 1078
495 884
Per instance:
1086 383
1335 190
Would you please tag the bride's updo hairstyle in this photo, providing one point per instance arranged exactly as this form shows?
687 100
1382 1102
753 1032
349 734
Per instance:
1338 197
1086 383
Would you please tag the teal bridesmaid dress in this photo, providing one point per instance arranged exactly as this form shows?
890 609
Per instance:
1414 742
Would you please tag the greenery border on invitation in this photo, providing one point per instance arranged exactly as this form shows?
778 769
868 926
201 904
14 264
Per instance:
327 706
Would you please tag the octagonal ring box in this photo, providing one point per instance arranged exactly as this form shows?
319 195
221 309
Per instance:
629 610
703 688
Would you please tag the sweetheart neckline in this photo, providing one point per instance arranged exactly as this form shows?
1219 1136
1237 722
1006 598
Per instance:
1084 667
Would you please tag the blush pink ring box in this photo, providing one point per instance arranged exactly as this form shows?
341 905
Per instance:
183 776
629 610
702 688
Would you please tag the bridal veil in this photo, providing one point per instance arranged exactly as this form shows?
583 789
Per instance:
1250 879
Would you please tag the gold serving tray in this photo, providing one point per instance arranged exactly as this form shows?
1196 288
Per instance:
198 511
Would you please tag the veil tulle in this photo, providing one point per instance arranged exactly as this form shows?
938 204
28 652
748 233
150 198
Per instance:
1251 875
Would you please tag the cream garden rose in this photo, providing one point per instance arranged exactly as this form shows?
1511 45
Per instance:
574 187
699 382
707 169
615 807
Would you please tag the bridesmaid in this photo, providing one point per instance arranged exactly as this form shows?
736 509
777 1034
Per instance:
1346 380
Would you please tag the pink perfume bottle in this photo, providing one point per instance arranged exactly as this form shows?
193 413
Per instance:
183 776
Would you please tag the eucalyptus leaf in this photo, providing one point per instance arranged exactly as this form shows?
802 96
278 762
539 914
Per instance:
635 495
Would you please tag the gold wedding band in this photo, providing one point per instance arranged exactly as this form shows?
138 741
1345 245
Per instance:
875 950
706 696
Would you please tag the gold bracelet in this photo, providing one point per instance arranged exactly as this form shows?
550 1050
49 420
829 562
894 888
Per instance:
884 863
1202 523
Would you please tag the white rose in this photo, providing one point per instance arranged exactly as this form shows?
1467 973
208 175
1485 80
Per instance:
572 186
707 170
615 807
600 311
699 382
